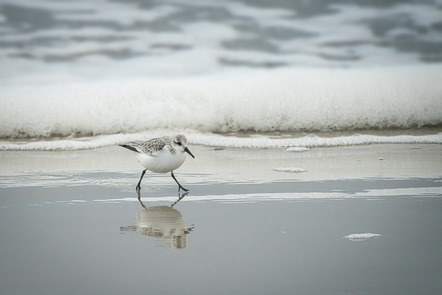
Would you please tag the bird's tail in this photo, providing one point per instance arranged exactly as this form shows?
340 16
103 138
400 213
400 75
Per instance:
129 147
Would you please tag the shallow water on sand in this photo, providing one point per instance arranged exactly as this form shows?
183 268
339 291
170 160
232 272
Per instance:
65 240
359 220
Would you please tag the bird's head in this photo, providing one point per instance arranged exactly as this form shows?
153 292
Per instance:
180 141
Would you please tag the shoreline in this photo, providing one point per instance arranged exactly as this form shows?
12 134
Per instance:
213 165
242 140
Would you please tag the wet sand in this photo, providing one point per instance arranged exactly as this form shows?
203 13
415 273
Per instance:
70 222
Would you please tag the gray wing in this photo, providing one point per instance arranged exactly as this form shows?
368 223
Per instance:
151 146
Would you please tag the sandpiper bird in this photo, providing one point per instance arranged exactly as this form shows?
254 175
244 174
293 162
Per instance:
161 155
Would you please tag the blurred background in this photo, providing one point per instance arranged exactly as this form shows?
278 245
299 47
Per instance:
203 35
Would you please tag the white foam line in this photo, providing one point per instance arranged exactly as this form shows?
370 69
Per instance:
310 141
265 197
224 141
415 192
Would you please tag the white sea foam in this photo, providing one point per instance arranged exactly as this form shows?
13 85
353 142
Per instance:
217 140
286 100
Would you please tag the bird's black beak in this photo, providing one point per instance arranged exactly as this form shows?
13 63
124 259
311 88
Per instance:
188 151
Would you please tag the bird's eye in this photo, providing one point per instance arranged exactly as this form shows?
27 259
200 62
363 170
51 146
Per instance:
178 143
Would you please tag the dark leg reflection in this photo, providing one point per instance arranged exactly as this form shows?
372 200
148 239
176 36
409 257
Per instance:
164 223
139 199
180 197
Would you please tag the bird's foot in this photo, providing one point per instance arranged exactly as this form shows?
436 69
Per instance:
182 188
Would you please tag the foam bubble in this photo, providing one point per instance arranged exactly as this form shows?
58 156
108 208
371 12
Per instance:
297 149
362 236
290 169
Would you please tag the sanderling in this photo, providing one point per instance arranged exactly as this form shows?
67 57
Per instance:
161 155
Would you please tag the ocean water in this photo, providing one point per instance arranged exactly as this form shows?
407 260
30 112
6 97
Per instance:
243 73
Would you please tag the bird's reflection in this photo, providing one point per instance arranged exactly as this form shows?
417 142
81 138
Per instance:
164 223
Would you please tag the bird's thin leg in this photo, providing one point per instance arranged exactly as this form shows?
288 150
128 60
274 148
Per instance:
179 185
139 182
